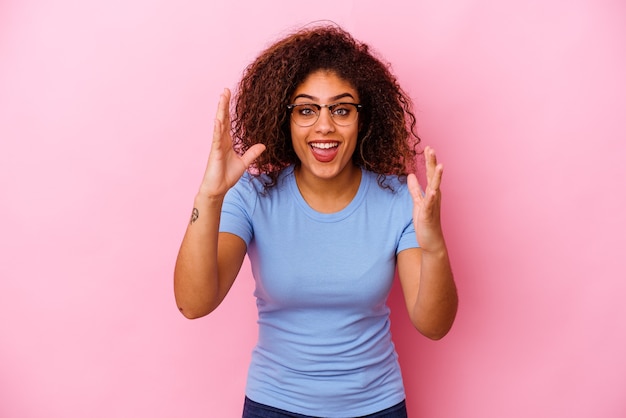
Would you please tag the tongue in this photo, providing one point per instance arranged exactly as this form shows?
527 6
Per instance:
324 155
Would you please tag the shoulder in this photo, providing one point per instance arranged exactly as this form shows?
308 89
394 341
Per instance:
390 193
252 187
245 192
250 184
386 184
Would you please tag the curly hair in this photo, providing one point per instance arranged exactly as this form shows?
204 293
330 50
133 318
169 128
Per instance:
387 141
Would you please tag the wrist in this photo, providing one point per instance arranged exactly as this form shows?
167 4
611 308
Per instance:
211 201
436 251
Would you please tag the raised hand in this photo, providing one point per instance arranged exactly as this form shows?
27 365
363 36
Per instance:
225 166
427 205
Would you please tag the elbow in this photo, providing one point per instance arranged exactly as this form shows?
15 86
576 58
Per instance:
195 311
435 327
193 304
190 313
434 334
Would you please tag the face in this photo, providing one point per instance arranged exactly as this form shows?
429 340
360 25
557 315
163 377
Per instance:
325 148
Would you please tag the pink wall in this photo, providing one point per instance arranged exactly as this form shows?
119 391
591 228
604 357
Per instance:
106 111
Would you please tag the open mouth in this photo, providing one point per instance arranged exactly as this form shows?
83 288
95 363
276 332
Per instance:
324 145
324 151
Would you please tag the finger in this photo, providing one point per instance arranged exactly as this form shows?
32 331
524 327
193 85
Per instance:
431 162
222 107
432 195
221 136
222 120
414 188
252 154
435 182
217 132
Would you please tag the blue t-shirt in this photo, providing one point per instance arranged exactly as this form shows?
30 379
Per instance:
322 282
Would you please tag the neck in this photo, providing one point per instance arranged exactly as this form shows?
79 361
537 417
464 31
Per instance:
329 195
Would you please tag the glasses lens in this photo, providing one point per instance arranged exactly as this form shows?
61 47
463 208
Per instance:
343 113
306 114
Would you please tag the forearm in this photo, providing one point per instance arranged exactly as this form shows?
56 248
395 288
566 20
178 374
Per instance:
196 281
436 304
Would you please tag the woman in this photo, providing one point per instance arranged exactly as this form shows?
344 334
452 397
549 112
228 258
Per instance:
316 187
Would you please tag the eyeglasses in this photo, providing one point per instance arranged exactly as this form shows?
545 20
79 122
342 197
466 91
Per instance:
306 114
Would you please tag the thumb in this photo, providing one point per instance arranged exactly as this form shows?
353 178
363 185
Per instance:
252 154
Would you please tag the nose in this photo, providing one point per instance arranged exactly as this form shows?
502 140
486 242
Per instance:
325 123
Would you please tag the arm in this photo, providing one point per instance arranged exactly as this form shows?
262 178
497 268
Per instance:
208 261
425 273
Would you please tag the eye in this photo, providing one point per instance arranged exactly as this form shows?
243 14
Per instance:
341 110
306 110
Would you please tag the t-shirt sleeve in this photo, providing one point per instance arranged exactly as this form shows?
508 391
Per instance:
238 208
408 238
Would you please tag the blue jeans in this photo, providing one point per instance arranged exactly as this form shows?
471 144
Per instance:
253 409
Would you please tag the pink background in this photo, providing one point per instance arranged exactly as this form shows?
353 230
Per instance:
106 111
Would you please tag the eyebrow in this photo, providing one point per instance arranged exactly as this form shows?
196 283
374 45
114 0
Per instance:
332 99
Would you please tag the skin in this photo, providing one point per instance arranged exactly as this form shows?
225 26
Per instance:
425 273
326 186
209 261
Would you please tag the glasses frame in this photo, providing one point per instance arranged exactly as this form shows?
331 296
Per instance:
319 107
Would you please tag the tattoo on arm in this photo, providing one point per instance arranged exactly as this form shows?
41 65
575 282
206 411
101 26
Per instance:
194 215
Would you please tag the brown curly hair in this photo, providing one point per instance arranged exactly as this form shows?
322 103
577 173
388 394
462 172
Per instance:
387 141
